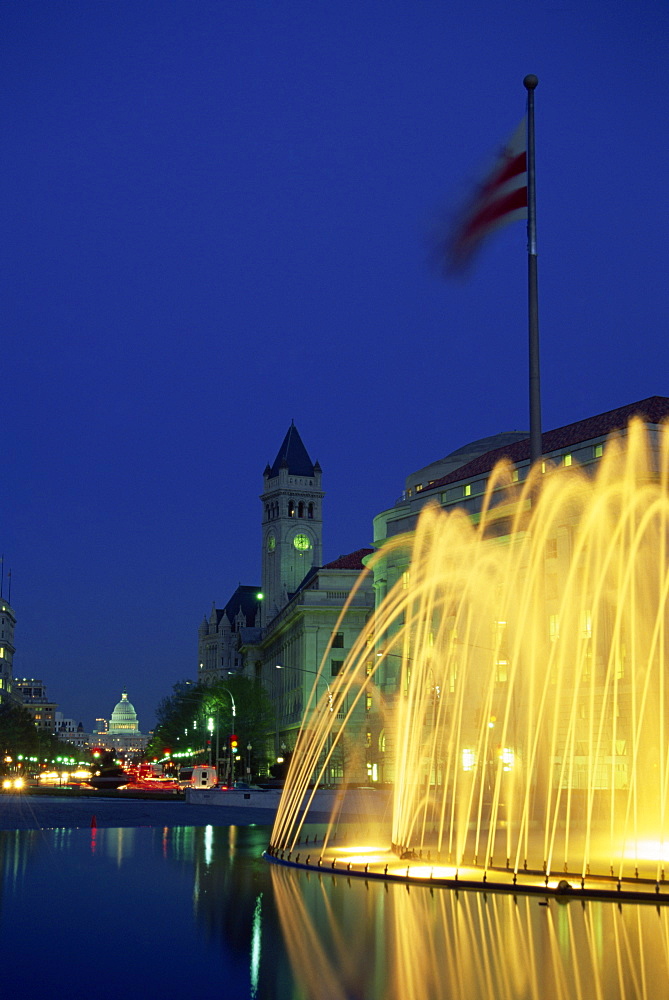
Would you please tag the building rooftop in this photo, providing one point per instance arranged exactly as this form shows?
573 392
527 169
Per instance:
292 455
653 410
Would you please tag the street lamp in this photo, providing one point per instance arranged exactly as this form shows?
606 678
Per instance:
314 673
214 707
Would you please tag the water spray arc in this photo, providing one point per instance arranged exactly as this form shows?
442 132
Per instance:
529 722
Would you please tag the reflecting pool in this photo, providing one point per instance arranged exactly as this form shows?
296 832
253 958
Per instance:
179 911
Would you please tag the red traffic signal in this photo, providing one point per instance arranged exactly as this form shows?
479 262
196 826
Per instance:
233 741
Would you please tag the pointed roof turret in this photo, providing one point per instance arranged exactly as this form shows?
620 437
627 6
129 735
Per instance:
293 456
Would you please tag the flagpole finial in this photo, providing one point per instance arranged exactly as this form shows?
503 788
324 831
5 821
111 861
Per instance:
531 81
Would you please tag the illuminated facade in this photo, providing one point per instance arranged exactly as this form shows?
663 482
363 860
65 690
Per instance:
461 481
292 523
279 633
123 734
7 626
219 635
307 643
32 693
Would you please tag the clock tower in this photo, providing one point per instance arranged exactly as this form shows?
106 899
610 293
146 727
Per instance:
292 523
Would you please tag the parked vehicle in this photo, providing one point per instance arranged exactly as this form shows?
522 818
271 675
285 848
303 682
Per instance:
200 776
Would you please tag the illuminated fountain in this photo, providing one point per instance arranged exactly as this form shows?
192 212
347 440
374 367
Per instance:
528 732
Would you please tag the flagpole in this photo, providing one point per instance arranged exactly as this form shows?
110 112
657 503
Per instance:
530 82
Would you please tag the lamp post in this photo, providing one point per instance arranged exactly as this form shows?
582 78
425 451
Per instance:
314 673
210 727
214 708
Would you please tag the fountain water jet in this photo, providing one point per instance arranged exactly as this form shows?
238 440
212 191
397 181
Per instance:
528 730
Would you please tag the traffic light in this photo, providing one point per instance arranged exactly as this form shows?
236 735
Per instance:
233 742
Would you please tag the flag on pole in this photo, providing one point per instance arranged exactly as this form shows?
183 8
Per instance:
502 198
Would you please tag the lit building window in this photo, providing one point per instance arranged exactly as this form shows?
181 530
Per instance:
598 450
468 760
419 487
508 758
467 489
405 580
586 624
514 476
554 627
567 461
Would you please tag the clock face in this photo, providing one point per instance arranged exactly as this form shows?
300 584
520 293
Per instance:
301 543
271 543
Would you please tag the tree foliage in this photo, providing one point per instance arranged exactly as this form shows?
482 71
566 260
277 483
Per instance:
182 718
20 735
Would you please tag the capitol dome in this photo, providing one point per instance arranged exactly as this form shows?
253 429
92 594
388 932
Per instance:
124 718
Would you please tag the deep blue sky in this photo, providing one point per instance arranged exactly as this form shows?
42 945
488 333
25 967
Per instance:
214 221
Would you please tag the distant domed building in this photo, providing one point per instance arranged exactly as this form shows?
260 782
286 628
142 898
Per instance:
123 732
123 721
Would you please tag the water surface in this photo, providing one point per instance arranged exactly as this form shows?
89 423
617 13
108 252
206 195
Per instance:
196 911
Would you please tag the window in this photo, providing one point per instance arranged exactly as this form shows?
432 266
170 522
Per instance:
310 511
566 461
291 508
553 627
335 667
419 487
300 509
598 450
337 640
467 489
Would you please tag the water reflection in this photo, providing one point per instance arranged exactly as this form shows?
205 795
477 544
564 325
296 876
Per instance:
414 943
190 910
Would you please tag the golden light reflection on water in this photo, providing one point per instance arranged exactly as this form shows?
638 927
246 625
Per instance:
413 943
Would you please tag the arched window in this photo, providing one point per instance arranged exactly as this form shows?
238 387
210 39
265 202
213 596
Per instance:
300 509
291 508
310 511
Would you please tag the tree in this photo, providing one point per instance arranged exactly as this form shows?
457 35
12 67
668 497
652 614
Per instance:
183 717
18 734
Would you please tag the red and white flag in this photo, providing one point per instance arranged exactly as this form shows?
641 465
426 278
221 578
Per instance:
502 198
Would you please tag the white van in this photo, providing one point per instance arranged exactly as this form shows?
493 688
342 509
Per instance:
199 776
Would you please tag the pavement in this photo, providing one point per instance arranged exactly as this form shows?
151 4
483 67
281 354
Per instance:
43 812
